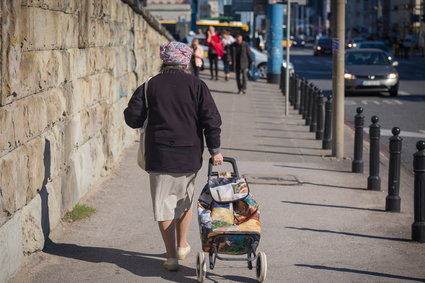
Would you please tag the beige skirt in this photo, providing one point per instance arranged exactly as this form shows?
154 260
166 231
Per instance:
172 194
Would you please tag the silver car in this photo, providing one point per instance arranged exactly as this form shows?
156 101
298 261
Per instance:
369 70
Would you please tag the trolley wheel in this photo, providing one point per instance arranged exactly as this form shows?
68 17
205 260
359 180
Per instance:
261 267
201 267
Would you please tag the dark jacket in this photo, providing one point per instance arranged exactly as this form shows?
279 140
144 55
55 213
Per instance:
246 57
181 112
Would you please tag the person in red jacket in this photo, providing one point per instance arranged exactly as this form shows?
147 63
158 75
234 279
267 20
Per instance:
215 50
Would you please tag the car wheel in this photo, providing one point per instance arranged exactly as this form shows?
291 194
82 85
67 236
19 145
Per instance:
262 70
394 90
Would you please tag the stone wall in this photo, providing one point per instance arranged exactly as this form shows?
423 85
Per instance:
68 69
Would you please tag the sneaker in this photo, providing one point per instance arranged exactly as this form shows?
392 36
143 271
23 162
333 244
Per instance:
171 264
240 91
243 91
182 253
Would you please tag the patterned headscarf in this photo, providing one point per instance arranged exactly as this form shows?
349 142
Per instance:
175 53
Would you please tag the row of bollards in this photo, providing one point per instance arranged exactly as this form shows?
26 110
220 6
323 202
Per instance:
393 200
308 99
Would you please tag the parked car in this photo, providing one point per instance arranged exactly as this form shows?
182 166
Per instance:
376 44
352 43
322 46
369 70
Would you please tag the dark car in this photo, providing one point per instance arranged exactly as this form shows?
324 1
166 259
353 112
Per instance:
322 46
369 70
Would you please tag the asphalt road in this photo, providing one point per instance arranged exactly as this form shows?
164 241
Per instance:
406 111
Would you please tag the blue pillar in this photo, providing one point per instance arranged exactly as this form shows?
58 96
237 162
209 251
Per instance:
274 42
194 15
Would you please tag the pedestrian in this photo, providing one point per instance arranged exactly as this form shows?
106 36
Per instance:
198 54
181 112
240 57
227 40
215 51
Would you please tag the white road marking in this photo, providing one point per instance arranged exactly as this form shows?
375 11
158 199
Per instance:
402 92
407 134
373 101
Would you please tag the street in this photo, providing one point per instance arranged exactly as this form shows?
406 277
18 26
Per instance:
406 111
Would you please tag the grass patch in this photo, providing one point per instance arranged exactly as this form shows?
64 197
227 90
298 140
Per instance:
80 211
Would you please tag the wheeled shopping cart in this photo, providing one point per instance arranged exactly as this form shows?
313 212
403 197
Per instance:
229 222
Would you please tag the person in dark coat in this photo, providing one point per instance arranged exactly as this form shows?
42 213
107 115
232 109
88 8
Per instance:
181 113
240 57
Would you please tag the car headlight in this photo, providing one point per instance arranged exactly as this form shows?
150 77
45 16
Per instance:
348 76
350 45
303 42
389 58
354 45
392 75
318 48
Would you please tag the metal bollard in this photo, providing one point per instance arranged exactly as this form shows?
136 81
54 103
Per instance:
281 86
306 99
296 92
418 227
374 181
319 129
357 164
309 105
392 201
302 97
313 121
291 94
327 135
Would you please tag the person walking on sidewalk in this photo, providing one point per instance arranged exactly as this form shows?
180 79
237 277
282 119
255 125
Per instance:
181 113
240 57
198 54
215 51
227 40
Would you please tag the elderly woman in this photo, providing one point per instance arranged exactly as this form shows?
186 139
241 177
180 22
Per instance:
181 112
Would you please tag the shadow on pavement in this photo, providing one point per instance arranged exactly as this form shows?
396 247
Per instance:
287 138
349 234
271 152
333 206
285 146
372 273
309 168
333 186
140 264
224 91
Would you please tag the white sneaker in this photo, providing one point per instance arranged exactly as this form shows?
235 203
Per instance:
171 264
182 253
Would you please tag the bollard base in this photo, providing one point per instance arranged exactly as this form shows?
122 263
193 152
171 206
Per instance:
326 144
374 183
273 78
357 166
319 135
313 128
418 232
392 203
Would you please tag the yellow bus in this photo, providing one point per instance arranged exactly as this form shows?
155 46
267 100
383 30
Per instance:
232 27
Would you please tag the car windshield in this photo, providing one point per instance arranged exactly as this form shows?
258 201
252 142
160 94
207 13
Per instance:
324 41
375 45
366 58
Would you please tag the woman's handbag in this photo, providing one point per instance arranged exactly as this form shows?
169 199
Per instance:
141 153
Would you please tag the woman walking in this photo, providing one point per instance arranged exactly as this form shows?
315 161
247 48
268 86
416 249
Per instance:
215 51
198 54
181 112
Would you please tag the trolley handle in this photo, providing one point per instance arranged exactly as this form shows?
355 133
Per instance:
230 160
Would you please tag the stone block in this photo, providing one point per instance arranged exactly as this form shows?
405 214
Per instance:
32 164
8 185
54 202
46 29
66 6
38 71
32 233
11 247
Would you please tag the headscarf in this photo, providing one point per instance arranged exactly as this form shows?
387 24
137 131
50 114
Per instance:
175 53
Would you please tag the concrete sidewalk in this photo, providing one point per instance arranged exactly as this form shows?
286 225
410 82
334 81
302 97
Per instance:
324 227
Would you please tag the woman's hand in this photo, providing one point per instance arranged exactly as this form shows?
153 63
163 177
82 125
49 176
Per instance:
217 159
